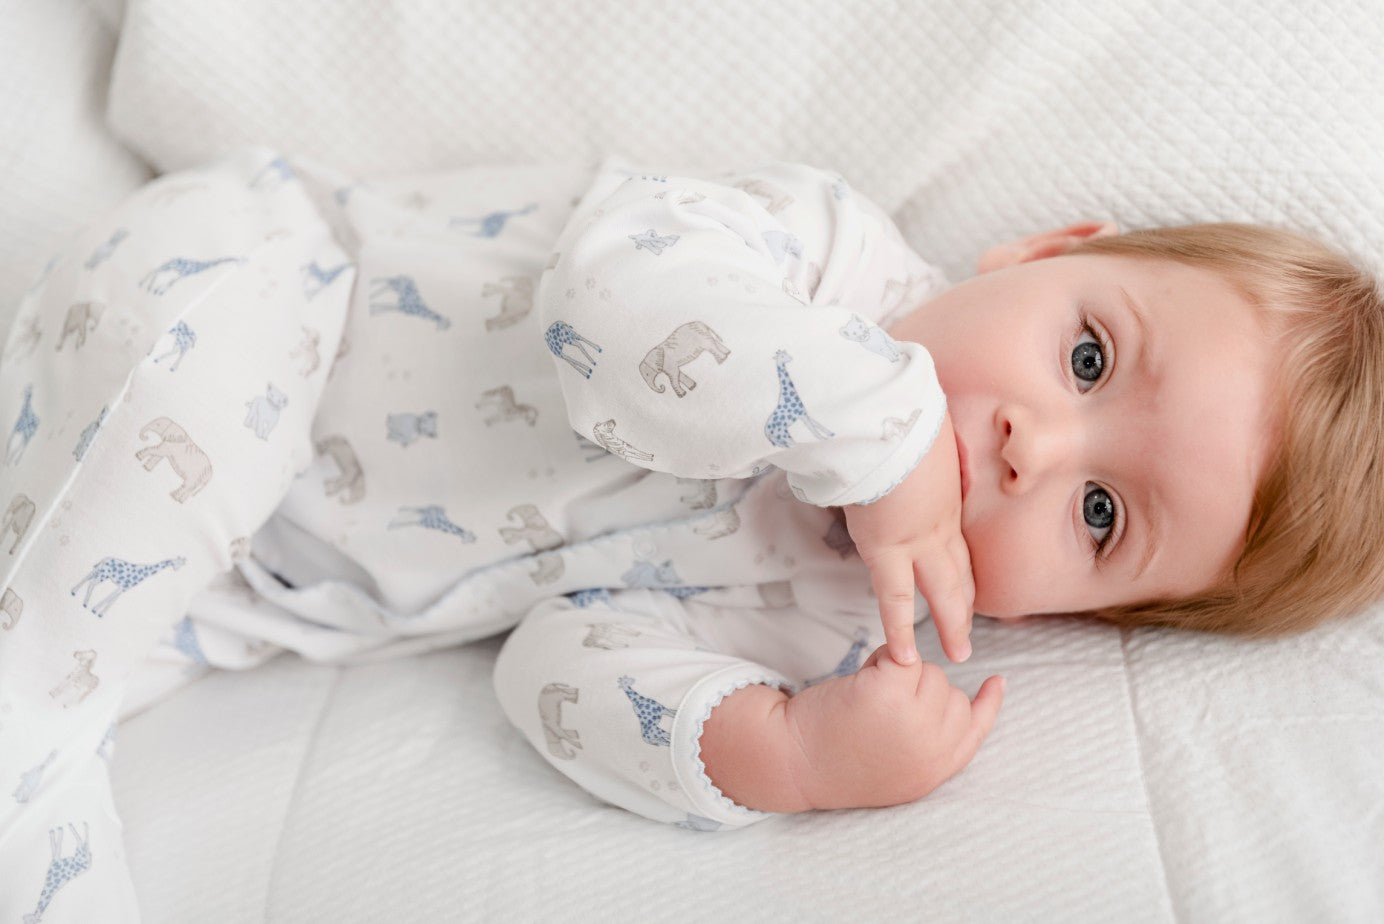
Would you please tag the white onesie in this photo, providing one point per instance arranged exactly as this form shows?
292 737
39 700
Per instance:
610 409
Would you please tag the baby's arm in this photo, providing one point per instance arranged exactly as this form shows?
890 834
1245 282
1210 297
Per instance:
885 735
711 328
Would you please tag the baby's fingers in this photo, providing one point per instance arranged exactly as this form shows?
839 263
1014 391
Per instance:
949 591
891 575
984 708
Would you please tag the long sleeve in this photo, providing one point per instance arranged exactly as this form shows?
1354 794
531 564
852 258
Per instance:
711 327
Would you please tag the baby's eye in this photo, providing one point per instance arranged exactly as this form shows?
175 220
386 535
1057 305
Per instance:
1098 510
1088 358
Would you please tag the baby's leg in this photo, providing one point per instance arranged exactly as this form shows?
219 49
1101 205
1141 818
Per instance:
614 694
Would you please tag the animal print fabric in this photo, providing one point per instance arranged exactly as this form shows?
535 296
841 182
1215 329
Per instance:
362 397
159 417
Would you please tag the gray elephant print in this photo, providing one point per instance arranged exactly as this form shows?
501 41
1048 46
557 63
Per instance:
871 337
548 567
895 429
12 605
589 596
79 683
184 456
32 779
24 428
608 635
719 524
264 410
516 300
405 300
183 340
679 348
27 334
349 482
89 434
82 318
534 529
61 870
607 440
838 539
307 349
503 407
774 198
560 740
703 493
123 575
406 429
18 516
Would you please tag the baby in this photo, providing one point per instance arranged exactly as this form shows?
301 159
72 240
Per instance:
1171 427
1165 427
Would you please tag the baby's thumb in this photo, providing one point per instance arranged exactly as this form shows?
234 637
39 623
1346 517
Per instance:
984 708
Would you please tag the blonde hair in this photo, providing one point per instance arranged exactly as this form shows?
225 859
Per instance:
1314 544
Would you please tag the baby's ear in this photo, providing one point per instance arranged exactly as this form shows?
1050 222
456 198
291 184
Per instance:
1043 244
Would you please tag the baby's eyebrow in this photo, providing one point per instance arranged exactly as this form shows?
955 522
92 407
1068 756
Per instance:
1153 535
1141 322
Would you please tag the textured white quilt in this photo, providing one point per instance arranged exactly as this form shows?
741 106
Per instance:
1132 775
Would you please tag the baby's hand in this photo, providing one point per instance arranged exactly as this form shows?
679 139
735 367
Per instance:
914 533
887 734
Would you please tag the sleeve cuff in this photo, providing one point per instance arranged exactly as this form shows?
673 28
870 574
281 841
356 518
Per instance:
693 711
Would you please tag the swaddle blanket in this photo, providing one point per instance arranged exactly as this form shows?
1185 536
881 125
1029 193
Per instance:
274 367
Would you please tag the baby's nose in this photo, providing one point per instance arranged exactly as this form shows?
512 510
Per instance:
1034 447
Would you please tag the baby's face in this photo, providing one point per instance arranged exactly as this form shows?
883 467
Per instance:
1145 440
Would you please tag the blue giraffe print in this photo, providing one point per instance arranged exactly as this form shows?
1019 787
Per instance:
559 334
682 593
645 573
650 713
24 428
185 640
589 596
652 241
32 778
406 299
160 279
848 664
62 870
89 434
491 225
123 575
698 823
433 516
275 173
315 278
102 253
781 244
790 408
184 339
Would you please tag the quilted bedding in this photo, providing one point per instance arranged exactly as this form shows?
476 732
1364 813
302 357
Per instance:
1135 775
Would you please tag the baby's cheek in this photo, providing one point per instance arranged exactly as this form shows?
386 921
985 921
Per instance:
1004 570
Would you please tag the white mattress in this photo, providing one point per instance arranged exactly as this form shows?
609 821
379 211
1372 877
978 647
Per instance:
1136 776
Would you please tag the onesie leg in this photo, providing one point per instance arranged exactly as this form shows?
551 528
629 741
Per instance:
614 693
